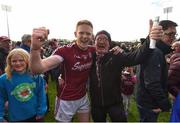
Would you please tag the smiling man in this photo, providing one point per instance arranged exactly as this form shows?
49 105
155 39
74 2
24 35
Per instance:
76 59
105 76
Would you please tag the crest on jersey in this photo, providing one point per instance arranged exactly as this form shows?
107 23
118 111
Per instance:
24 91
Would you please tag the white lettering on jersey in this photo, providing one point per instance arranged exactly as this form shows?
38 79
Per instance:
78 66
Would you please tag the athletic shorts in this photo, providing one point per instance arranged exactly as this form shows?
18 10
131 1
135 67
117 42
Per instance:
65 110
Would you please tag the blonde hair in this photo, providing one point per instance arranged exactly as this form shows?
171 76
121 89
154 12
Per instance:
17 51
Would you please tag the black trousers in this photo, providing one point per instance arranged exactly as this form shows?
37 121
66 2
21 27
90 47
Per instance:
116 113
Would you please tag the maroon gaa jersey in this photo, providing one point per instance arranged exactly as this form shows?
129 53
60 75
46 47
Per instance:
76 68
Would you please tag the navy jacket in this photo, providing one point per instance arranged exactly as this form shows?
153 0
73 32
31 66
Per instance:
152 75
107 91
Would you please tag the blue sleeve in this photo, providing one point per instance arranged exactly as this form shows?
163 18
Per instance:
175 113
2 99
41 97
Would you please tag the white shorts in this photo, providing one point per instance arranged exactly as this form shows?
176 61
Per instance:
65 110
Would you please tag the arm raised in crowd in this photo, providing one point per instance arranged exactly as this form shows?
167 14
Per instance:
144 51
37 64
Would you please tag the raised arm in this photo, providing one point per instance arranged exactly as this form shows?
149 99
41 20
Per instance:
38 65
139 55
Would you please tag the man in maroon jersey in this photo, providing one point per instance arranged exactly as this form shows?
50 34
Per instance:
76 59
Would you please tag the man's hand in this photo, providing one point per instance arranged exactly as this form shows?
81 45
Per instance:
39 118
60 80
157 110
172 97
155 32
39 36
116 50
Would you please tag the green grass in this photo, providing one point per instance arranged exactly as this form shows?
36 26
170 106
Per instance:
133 113
51 94
134 116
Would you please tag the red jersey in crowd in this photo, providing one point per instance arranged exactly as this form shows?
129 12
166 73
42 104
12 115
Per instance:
76 67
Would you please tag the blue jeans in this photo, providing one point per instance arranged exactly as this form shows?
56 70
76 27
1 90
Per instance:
147 115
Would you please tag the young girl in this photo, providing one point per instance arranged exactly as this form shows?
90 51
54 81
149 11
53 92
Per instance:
24 92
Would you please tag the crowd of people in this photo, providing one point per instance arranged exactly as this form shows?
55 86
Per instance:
94 77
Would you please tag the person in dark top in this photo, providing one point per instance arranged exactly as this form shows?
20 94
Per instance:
26 42
4 50
105 76
152 92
